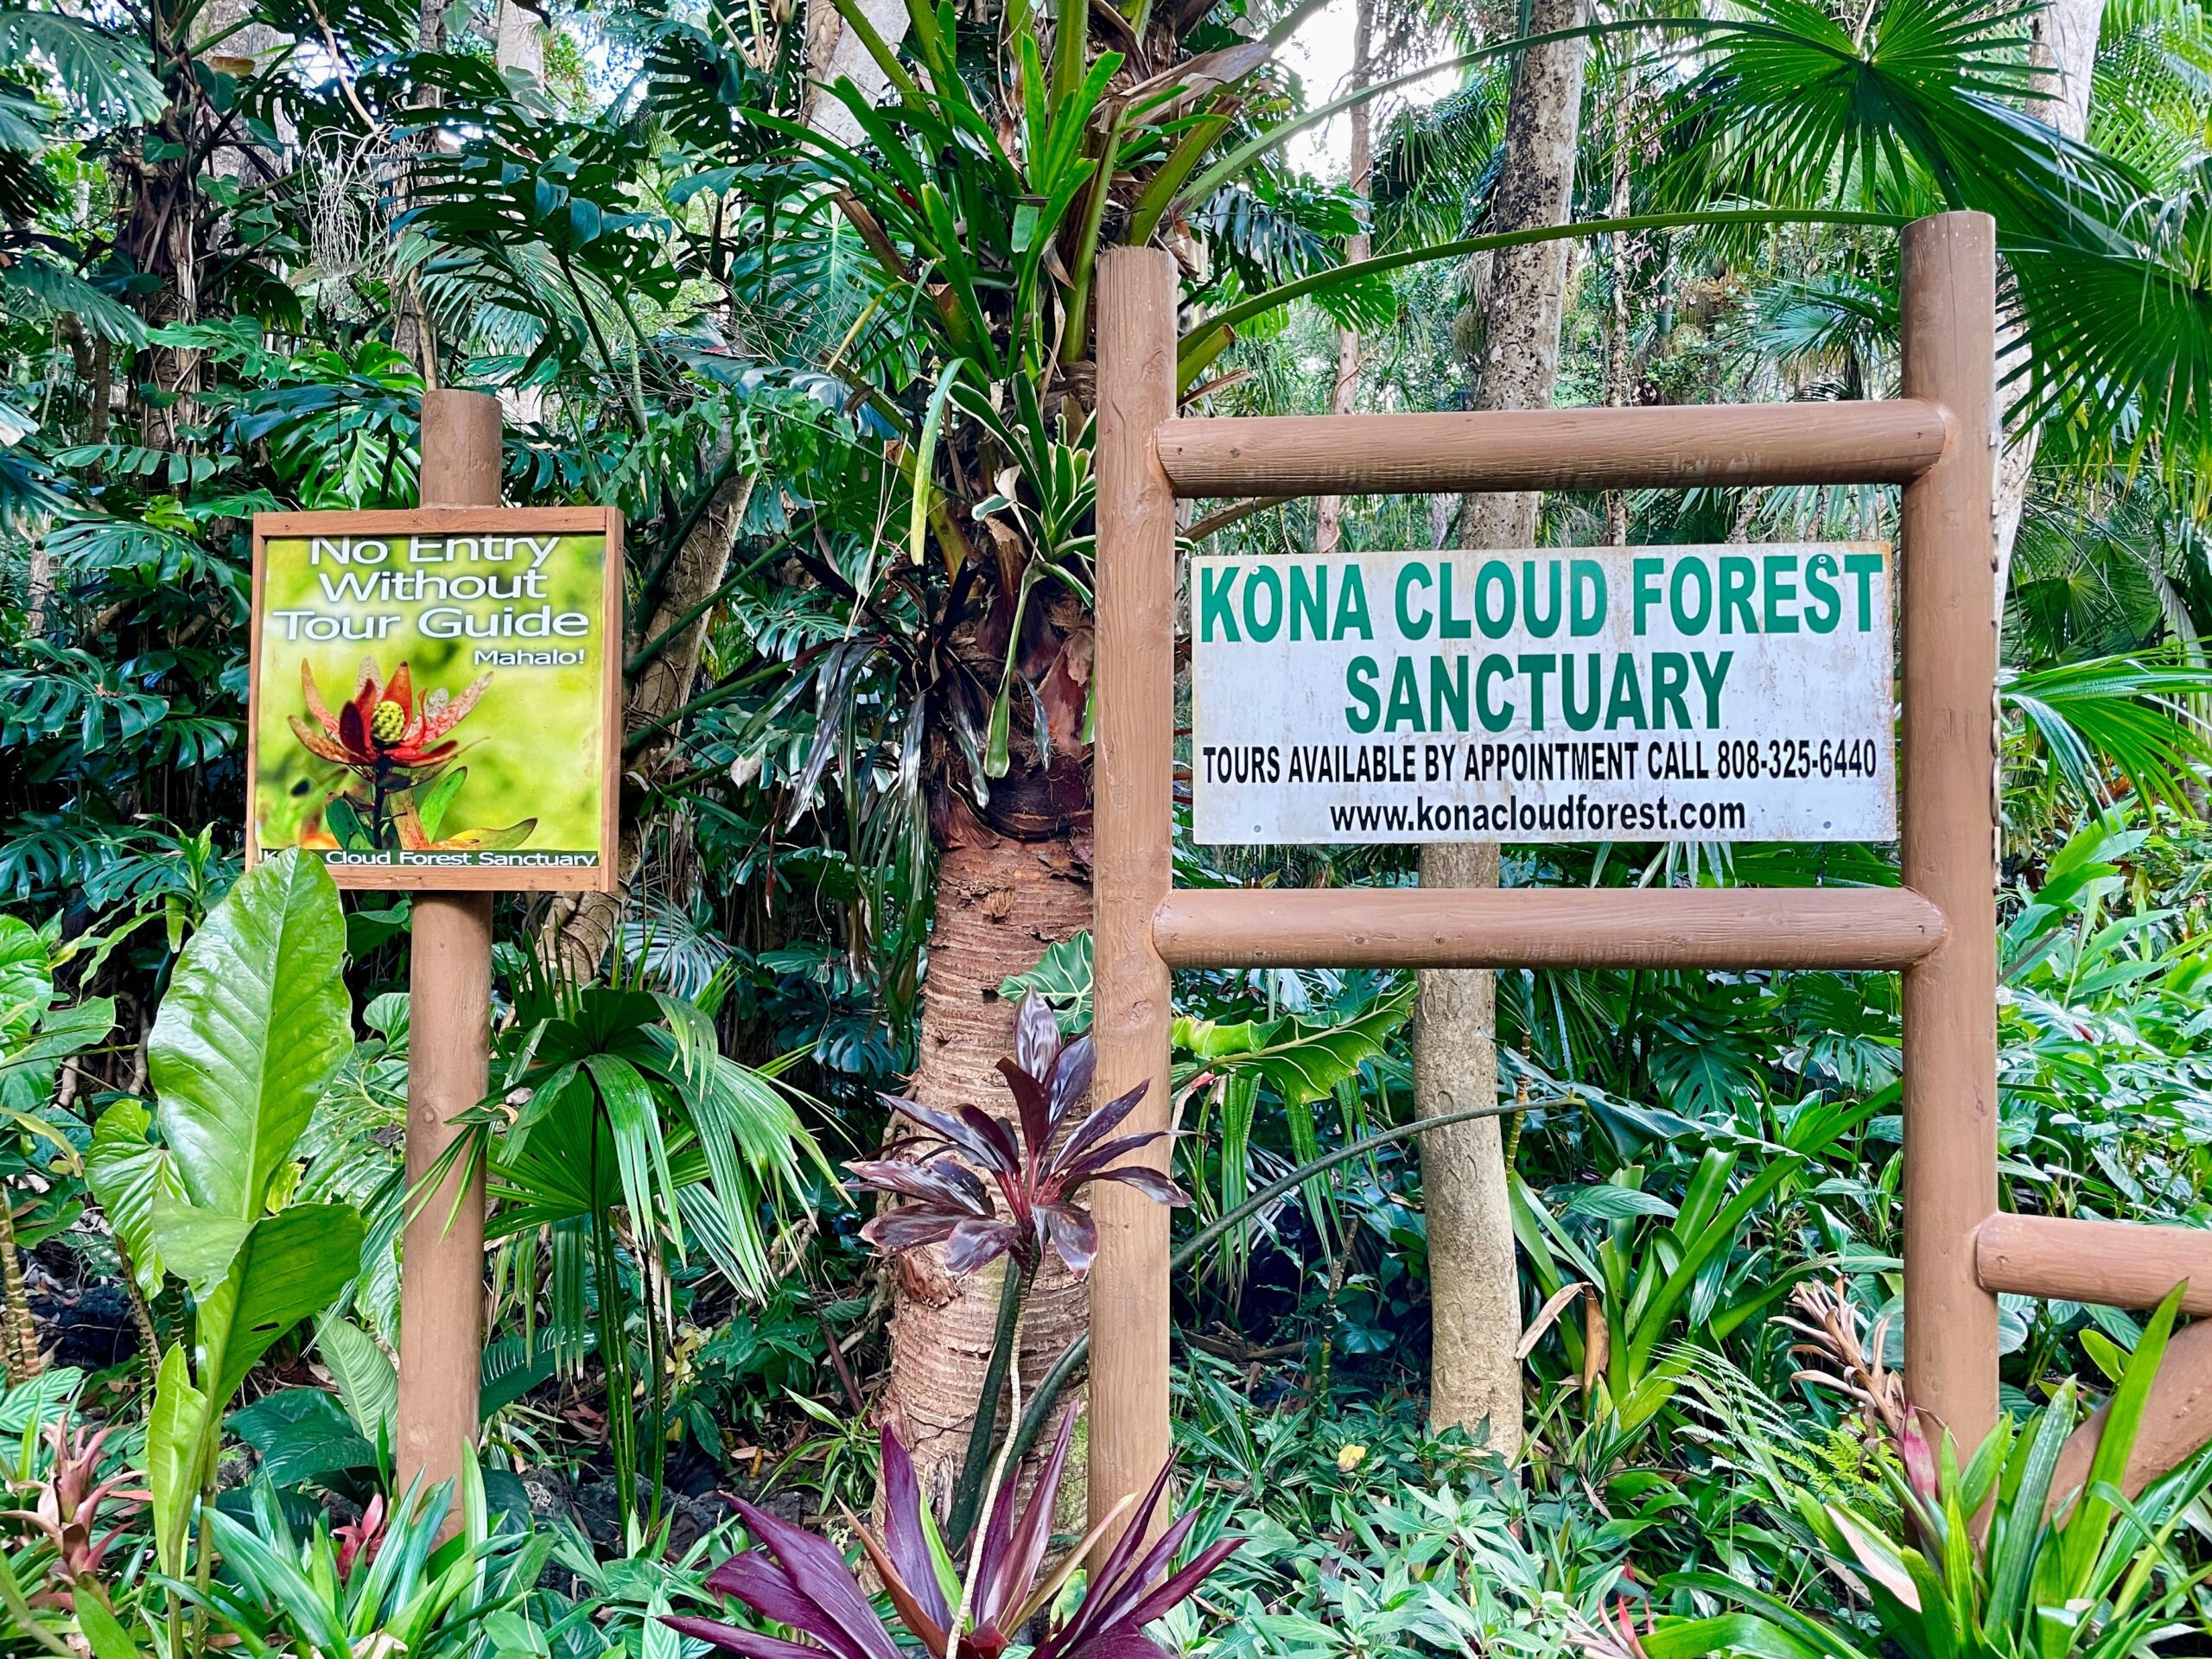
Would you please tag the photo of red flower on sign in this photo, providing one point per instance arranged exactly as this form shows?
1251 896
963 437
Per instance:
398 752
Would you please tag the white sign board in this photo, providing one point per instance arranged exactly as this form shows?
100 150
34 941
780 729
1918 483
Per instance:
1735 693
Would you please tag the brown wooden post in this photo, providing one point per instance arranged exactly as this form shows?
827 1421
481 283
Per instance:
450 996
1949 831
1132 761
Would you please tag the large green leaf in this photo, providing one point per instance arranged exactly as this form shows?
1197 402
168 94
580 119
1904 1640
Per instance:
255 1025
127 1173
26 980
291 1266
367 1380
1300 1060
301 1433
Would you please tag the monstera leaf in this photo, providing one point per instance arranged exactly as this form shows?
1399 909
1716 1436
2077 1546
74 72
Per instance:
1301 1061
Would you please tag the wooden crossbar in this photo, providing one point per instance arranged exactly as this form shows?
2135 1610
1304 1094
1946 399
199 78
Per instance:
2112 1263
1544 927
1891 443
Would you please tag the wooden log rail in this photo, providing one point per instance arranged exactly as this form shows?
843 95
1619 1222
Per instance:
2111 1263
1680 448
1546 927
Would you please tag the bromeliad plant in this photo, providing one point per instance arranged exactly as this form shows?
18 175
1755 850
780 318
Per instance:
800 1581
1038 1177
2063 1566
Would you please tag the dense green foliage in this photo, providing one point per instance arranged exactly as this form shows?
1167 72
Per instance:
851 336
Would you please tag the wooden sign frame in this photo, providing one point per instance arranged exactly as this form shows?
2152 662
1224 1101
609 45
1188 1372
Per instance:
601 877
1939 440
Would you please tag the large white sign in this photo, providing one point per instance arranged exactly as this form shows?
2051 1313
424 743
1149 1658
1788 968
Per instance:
1736 693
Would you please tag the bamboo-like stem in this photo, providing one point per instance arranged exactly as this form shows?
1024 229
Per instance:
18 1338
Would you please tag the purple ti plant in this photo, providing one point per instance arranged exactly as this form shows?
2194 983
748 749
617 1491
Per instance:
1038 1177
800 1581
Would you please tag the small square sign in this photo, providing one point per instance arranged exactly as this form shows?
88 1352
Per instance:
435 695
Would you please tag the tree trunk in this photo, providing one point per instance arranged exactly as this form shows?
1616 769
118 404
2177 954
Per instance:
2066 33
999 903
518 50
1473 1286
1619 378
580 926
1329 509
834 51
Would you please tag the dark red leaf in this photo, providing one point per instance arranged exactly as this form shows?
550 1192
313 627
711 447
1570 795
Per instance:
1102 1122
766 1588
1069 1172
905 1541
1121 1643
1036 1036
1074 1235
732 1638
1087 1615
946 1183
1025 1551
1071 1078
901 1230
928 1632
960 1133
819 1573
1183 1584
1150 1182
973 1244
1005 1155
1030 1100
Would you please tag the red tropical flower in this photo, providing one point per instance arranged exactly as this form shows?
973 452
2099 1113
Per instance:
382 727
1038 1176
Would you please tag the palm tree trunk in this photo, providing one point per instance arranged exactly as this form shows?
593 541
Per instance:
19 1354
1475 1292
999 903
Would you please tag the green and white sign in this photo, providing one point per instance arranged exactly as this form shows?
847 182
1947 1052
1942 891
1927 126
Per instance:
1733 693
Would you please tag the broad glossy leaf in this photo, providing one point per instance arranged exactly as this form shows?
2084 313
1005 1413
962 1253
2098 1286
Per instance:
255 1025
173 1456
291 1266
301 1433
196 1244
367 1380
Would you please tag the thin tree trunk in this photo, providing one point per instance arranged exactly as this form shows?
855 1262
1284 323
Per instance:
2066 34
999 903
580 926
1473 1376
1625 249
1329 509
519 50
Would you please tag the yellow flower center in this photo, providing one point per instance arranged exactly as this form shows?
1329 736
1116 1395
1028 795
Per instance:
388 720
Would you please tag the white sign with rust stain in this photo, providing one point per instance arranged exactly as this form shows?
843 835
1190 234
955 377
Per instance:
1733 693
